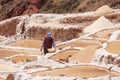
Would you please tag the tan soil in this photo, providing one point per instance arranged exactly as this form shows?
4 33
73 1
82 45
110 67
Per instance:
81 5
84 55
80 71
28 43
23 58
104 33
81 43
113 47
10 52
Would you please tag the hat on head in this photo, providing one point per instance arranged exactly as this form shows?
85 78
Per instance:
49 34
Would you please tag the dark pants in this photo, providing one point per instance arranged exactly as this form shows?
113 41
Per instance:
45 51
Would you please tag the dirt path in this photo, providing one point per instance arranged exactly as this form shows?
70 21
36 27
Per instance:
80 71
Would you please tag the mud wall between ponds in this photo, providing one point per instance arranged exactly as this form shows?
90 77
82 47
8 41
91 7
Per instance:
8 28
80 19
59 34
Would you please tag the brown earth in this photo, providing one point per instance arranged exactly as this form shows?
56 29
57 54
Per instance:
79 19
59 34
8 28
114 18
11 8
10 77
80 71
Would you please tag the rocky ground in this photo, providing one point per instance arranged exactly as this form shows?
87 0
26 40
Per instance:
12 8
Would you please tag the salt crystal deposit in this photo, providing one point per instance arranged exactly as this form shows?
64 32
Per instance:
105 9
100 24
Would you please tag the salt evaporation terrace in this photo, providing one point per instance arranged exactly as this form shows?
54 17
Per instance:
83 52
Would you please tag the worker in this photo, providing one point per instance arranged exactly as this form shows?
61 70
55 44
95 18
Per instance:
48 43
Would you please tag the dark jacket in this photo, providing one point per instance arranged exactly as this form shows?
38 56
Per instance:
48 43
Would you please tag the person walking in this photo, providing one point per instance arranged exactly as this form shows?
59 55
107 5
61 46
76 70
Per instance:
48 43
